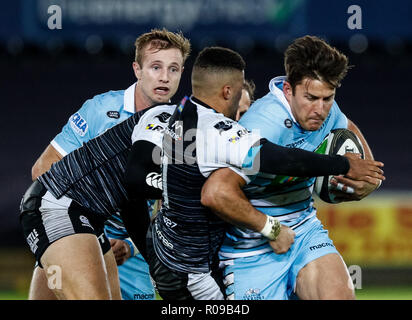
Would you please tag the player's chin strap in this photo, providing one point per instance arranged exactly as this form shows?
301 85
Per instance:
271 229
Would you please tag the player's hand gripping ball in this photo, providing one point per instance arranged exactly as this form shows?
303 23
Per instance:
338 142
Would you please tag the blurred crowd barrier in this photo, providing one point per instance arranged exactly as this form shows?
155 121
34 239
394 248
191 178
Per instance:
16 268
373 232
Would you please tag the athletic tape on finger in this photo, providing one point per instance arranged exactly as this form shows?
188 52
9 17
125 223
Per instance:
340 187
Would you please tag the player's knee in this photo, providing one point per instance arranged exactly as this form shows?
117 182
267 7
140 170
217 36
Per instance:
92 287
339 292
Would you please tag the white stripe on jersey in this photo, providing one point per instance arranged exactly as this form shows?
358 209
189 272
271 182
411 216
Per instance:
244 254
284 199
240 252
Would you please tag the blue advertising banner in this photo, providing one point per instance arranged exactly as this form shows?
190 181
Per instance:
205 21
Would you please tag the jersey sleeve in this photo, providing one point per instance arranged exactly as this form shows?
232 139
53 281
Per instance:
263 120
78 128
339 120
151 126
225 143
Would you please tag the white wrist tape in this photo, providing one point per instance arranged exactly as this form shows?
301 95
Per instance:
271 229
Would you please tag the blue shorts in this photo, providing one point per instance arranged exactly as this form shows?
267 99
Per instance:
135 282
272 276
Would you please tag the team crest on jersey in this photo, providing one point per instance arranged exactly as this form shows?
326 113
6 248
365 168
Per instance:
288 123
78 124
113 114
85 222
163 117
224 125
253 294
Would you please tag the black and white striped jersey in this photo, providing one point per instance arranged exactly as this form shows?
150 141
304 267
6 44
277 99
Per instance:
198 140
93 175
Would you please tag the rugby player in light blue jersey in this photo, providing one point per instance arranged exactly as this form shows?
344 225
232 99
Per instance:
158 67
201 137
298 112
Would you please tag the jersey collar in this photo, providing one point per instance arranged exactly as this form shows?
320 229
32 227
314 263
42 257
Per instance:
275 86
200 103
128 99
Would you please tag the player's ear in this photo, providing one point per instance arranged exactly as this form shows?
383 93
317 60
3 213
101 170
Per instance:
287 90
137 70
227 92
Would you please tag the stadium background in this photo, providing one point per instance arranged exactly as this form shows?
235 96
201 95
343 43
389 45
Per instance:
47 74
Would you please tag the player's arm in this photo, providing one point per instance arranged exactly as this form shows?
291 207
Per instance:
296 162
135 213
49 156
222 192
122 250
355 129
358 189
68 139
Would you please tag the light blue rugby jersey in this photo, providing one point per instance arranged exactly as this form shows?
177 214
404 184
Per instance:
288 198
92 119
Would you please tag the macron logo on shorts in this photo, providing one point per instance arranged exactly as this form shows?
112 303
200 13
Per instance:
78 124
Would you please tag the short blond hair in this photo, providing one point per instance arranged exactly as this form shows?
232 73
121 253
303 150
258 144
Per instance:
161 39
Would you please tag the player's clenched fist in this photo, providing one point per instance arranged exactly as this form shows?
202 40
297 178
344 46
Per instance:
366 170
284 240
121 250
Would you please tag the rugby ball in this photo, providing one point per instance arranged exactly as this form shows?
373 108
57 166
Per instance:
338 142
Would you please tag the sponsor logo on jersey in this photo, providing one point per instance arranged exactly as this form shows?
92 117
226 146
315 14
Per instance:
288 123
320 246
113 114
85 222
253 294
295 144
32 240
154 127
163 117
78 124
224 125
169 223
101 238
240 134
234 139
177 134
162 237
